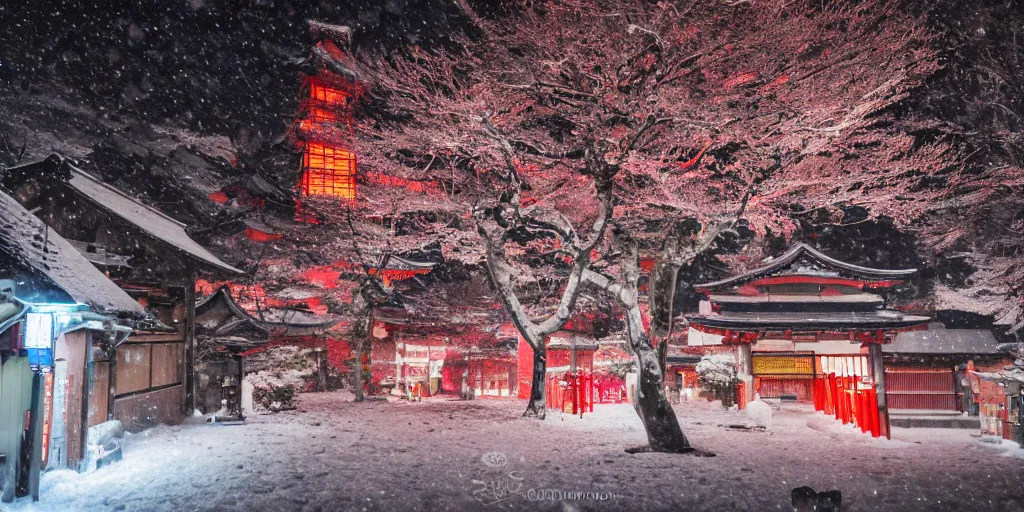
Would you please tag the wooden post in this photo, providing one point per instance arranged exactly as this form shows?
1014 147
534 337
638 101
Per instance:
357 372
747 367
189 404
572 355
112 381
241 376
34 436
878 376
84 432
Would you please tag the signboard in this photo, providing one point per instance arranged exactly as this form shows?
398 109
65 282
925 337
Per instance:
38 330
39 340
783 365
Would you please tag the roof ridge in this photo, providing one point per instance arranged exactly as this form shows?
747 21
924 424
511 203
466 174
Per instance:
791 254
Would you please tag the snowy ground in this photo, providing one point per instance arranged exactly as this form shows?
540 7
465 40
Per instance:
333 454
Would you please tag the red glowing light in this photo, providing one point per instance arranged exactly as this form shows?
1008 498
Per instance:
219 197
260 236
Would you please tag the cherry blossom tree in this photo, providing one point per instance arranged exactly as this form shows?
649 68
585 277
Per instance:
675 122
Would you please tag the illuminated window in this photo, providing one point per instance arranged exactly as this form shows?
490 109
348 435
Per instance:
327 95
328 171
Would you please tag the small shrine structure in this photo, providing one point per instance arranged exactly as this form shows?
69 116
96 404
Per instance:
809 327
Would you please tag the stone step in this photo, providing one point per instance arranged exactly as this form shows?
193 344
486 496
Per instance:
937 421
924 412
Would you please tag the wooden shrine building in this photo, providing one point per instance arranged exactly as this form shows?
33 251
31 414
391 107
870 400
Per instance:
152 258
811 327
60 319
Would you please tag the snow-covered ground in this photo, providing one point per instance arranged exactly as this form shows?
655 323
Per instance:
333 454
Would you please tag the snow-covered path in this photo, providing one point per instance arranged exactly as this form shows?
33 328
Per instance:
333 454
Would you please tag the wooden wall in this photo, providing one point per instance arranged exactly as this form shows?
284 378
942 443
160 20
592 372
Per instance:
99 392
138 412
149 385
71 348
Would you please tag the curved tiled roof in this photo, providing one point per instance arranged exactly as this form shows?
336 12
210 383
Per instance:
801 249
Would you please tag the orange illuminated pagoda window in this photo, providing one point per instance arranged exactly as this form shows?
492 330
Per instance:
328 95
328 171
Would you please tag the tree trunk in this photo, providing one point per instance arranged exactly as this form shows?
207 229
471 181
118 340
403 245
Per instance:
358 373
660 295
661 298
537 406
653 407
363 333
321 368
663 357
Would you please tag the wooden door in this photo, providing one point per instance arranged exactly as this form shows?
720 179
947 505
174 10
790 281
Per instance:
921 388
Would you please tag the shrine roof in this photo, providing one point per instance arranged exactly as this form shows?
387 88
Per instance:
259 226
296 293
938 340
810 321
505 350
266 188
150 220
27 240
146 219
802 259
274 322
400 263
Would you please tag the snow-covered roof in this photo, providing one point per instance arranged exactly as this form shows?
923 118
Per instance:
296 293
27 240
809 320
1015 375
567 340
338 33
803 250
938 340
150 220
400 263
852 298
